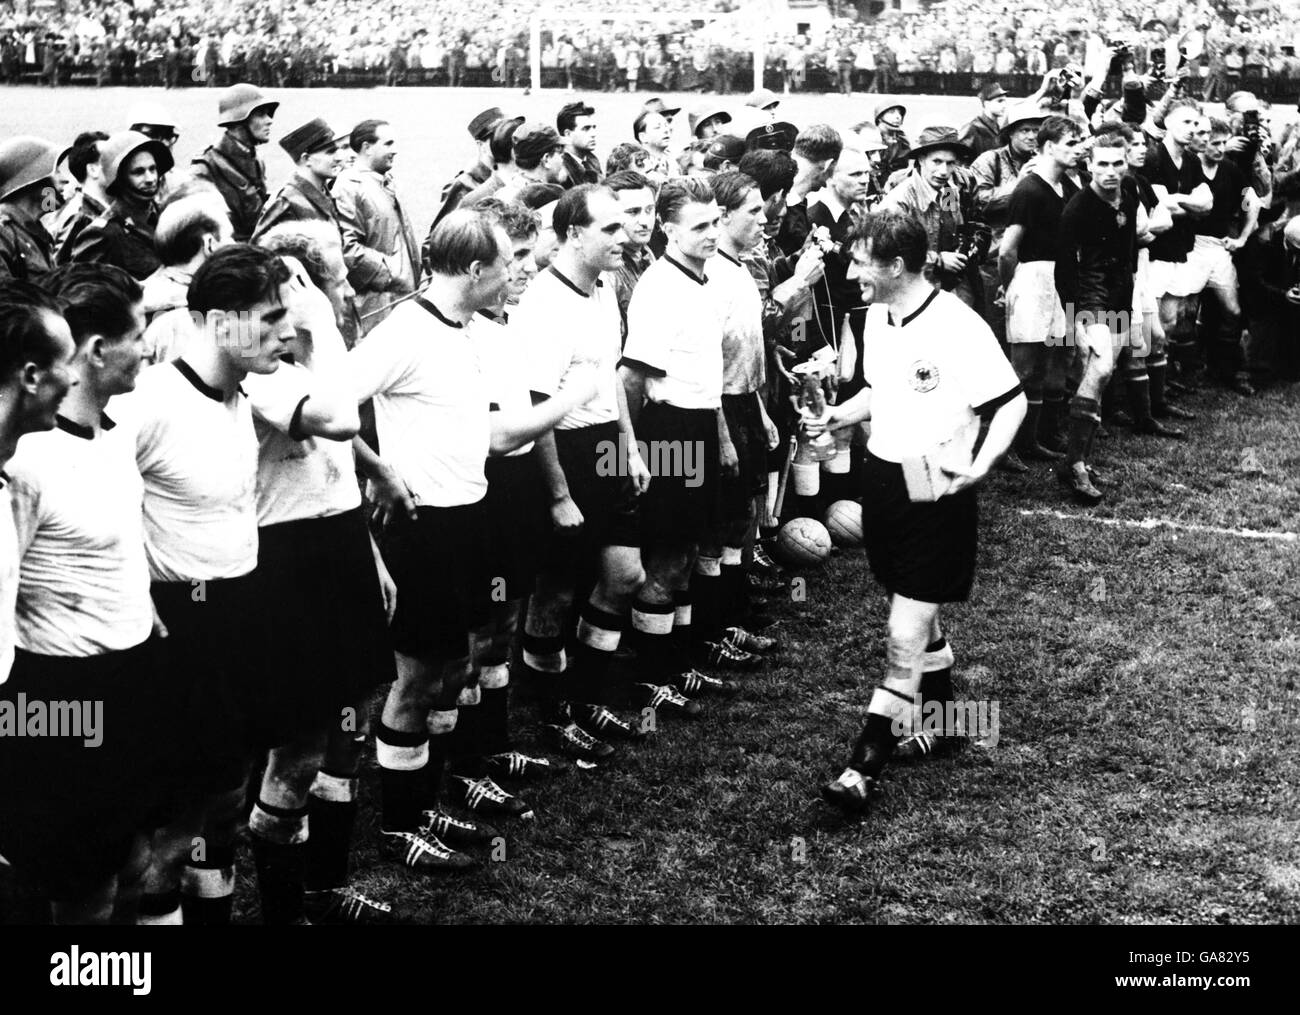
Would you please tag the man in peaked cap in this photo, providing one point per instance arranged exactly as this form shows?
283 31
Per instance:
232 165
538 155
27 192
317 154
133 167
480 129
779 136
657 105
981 134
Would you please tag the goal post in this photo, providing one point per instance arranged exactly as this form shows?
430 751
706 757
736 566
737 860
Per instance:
538 20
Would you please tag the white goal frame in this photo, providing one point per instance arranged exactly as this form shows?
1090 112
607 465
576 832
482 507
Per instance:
537 19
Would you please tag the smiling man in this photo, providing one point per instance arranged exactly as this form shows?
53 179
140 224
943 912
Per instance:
569 318
379 244
318 156
933 372
133 166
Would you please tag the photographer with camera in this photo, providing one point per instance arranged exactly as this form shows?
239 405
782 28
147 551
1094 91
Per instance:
930 192
1250 147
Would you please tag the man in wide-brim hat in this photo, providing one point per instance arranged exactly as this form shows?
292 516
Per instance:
930 193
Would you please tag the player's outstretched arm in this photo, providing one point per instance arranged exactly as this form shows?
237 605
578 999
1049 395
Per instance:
512 430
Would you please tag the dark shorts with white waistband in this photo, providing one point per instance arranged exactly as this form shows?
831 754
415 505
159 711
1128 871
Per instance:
518 523
438 562
78 787
683 503
924 551
745 425
595 466
331 645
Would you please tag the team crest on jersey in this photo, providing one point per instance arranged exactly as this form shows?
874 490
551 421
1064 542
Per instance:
925 376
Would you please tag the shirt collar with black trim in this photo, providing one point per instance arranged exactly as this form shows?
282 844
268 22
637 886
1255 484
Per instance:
569 282
202 386
915 313
697 279
430 308
86 433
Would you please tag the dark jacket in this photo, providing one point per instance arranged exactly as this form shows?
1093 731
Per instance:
122 235
26 249
980 135
239 175
297 201
464 182
586 171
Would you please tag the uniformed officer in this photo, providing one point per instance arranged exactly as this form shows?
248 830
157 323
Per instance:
27 192
232 164
317 154
133 166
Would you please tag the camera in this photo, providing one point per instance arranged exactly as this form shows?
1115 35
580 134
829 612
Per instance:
1121 53
975 243
1254 131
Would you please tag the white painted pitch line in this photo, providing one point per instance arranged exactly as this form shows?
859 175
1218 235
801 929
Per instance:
1165 523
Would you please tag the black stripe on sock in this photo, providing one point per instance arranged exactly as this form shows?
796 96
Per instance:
400 738
896 694
287 813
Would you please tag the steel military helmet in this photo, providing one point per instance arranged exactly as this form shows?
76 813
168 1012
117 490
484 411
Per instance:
114 153
239 102
24 161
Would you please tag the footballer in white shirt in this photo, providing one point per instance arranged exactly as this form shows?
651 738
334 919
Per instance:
436 427
73 819
593 473
934 372
197 453
672 371
318 563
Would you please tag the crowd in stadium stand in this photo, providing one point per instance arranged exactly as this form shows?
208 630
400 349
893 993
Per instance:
440 42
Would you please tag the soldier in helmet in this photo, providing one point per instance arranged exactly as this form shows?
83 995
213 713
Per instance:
151 120
232 165
27 192
133 167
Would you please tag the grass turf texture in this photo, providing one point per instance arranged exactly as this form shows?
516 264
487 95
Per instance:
1146 769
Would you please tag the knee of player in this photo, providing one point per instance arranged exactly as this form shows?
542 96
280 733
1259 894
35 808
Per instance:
626 580
906 639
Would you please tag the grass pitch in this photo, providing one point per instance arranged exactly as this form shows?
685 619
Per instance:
1146 764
